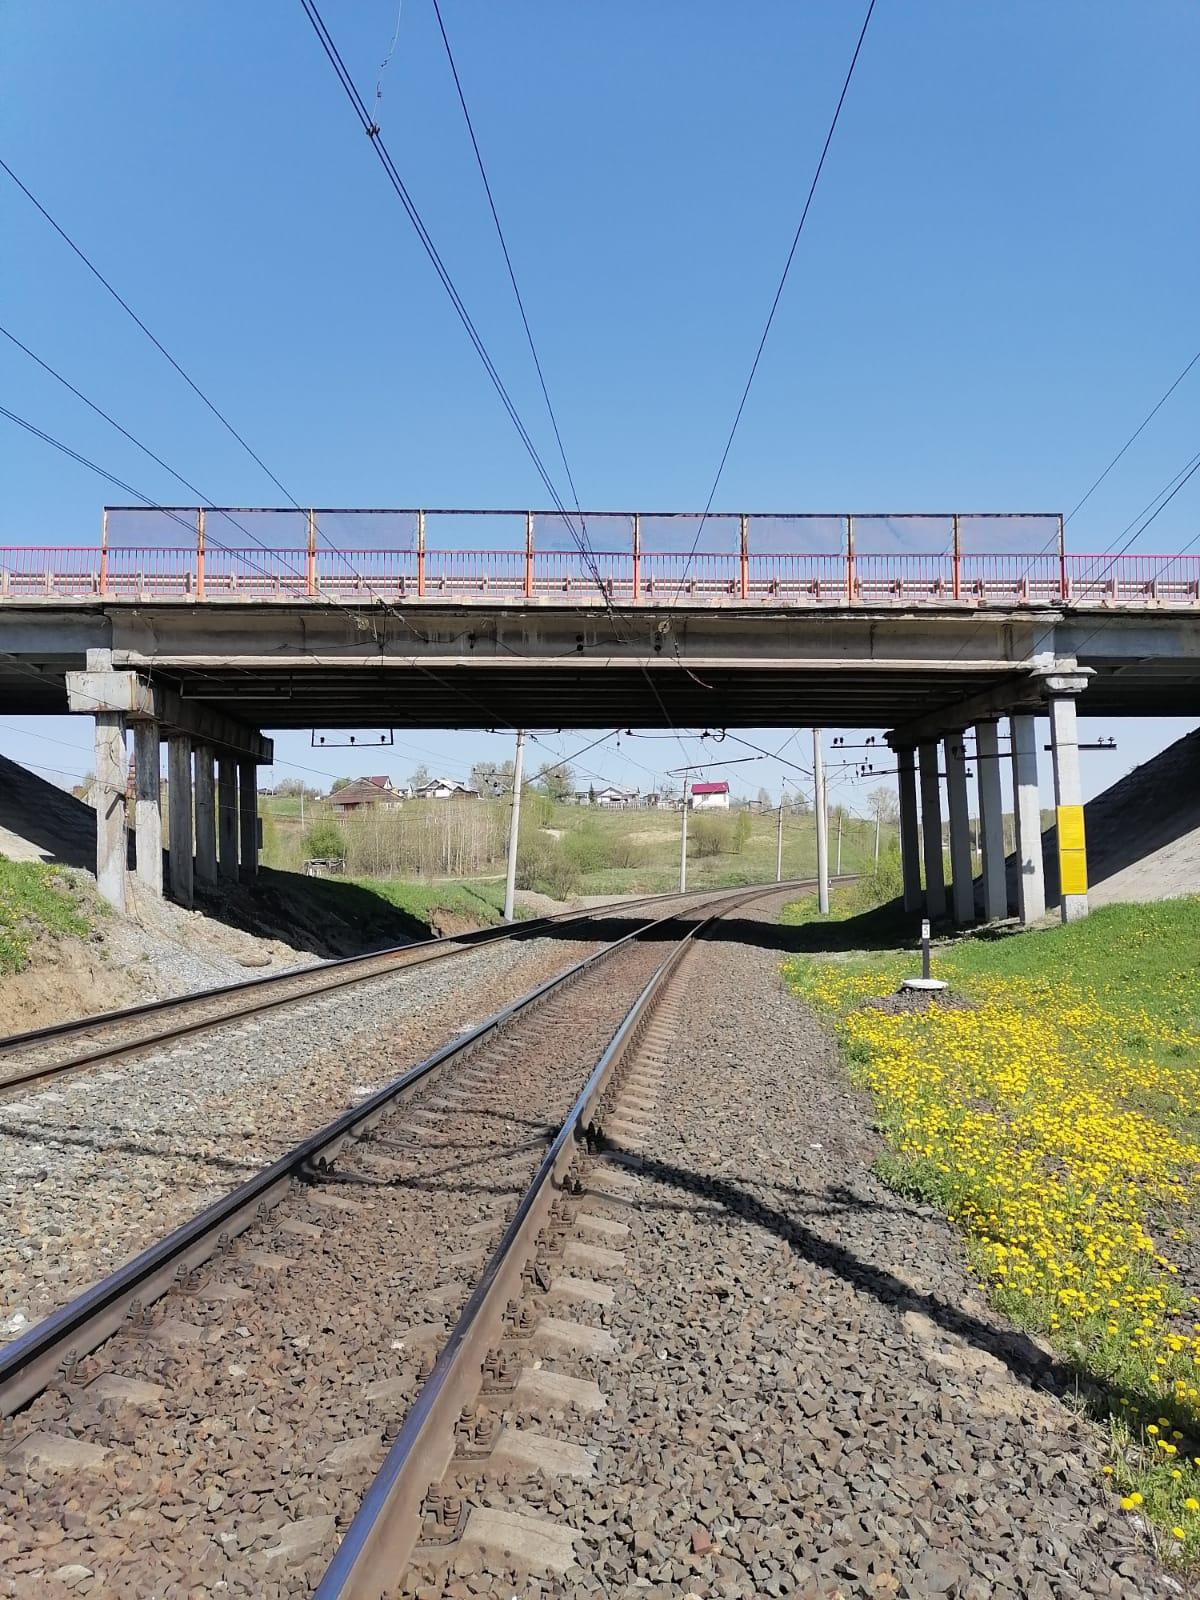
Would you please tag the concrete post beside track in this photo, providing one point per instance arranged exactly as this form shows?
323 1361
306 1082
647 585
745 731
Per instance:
1068 802
111 779
179 817
514 829
206 818
227 818
910 833
991 820
248 819
962 877
1027 812
821 806
147 807
931 827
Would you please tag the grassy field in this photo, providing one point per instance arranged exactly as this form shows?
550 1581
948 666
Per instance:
35 901
1056 1121
565 850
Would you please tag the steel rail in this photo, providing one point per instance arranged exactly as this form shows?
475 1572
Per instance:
346 971
380 1540
28 1364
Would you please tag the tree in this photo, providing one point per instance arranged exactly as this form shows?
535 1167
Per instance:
325 841
295 787
764 799
420 777
558 781
883 805
340 783
492 777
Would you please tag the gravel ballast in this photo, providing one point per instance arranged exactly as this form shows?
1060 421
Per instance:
100 1164
808 1394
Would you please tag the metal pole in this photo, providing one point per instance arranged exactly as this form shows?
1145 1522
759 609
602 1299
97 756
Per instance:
878 820
683 842
822 825
779 842
838 868
514 827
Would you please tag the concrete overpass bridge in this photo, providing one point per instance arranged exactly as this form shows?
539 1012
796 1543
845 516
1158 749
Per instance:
926 625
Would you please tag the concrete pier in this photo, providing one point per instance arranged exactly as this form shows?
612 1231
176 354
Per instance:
111 778
206 818
227 818
147 807
248 818
1068 801
962 898
1031 881
910 832
179 817
931 829
991 820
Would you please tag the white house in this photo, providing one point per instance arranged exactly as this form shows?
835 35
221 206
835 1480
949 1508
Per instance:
709 797
446 789
616 798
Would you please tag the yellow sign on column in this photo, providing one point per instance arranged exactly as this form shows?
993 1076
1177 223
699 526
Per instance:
1072 851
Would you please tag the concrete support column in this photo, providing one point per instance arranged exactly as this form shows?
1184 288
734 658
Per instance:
227 818
962 897
910 835
1068 801
931 828
206 818
991 820
179 816
1031 881
147 808
248 818
111 777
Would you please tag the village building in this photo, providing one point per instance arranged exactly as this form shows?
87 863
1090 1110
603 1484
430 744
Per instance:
709 797
363 792
446 789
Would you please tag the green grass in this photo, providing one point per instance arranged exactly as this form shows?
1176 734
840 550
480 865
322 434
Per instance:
35 901
1057 1123
587 850
428 903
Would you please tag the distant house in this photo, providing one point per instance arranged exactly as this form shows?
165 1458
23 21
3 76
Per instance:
710 797
365 792
446 789
652 799
616 799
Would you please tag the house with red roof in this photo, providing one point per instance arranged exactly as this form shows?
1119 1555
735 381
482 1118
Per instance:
709 797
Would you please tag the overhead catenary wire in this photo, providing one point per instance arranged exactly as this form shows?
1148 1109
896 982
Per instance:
374 134
787 267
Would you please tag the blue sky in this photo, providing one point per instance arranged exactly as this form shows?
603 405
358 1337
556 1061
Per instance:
995 284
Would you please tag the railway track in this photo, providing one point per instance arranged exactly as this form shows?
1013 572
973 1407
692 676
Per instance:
216 1410
30 1059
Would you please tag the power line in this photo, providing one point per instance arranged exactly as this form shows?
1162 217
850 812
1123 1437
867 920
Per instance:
787 267
158 345
1148 418
512 276
372 130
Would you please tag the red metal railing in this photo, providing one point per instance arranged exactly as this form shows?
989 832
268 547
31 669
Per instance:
425 562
